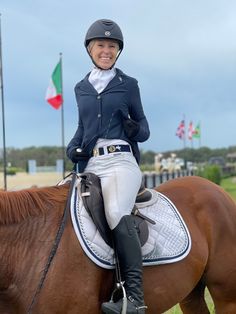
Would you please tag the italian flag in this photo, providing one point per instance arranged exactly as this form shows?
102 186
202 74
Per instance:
54 90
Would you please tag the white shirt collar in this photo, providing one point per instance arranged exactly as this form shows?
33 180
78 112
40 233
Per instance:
100 78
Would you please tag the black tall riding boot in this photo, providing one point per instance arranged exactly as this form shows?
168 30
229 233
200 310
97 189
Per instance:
130 259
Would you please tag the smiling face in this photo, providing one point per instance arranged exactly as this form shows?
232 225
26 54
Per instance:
103 52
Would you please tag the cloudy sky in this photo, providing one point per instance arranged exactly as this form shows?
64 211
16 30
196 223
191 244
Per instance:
182 52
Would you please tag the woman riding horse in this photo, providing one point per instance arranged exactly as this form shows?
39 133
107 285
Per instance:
111 122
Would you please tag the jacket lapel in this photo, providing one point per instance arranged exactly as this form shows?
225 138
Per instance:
87 87
117 80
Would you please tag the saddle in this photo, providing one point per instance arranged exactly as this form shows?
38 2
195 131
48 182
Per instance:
91 194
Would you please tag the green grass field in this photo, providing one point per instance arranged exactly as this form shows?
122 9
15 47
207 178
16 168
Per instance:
229 185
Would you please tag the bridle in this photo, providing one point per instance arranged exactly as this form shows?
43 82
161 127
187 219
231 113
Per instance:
55 244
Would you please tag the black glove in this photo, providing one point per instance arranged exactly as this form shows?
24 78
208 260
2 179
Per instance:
131 127
79 155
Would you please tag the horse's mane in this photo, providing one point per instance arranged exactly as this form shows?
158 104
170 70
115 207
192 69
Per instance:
16 206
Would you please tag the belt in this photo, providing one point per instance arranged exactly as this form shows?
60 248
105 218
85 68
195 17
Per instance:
111 149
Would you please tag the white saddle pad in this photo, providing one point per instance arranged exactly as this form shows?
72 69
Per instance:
169 239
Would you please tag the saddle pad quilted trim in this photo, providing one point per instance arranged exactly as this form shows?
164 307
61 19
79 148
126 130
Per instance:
169 239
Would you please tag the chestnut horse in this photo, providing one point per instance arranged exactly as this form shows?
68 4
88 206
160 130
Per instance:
29 221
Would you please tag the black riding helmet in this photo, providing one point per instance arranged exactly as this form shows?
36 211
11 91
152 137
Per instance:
104 29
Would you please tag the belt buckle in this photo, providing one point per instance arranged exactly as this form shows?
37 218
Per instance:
111 149
95 152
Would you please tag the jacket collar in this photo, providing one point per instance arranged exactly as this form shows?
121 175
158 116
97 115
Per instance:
87 87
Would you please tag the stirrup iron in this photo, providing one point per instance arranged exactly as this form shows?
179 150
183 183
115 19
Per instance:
120 286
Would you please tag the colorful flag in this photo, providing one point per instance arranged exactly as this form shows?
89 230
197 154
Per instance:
180 132
191 130
197 131
54 90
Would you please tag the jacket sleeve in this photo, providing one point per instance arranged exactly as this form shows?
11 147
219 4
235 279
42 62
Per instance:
76 141
137 114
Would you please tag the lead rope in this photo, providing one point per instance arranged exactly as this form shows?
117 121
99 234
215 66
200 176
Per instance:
55 244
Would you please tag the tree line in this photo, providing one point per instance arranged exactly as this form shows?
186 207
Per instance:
199 155
47 155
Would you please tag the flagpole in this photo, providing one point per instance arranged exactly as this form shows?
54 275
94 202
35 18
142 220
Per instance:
62 124
200 134
3 114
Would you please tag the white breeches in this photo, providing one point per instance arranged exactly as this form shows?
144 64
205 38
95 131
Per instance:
120 180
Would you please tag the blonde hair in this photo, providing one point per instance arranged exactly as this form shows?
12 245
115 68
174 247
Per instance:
91 44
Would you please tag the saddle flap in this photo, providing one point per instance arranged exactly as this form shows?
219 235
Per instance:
91 195
142 229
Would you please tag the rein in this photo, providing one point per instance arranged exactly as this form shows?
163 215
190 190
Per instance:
55 244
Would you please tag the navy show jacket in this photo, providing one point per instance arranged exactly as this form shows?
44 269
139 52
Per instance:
100 114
